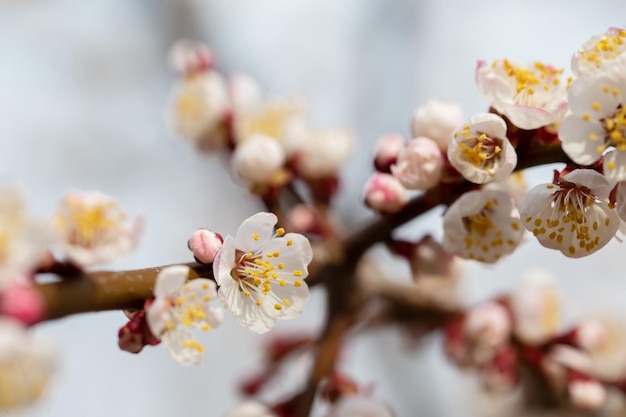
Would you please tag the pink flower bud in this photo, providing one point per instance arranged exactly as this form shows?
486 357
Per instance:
437 120
384 193
205 244
259 159
387 150
419 165
135 334
22 302
303 219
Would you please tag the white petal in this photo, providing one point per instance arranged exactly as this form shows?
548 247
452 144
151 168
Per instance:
528 117
158 315
297 298
583 93
582 140
231 297
261 226
614 165
490 124
621 200
169 280
175 340
224 261
599 185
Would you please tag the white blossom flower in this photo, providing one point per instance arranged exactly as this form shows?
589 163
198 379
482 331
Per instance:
437 120
385 193
597 124
250 409
573 216
188 56
322 153
199 104
536 307
21 241
359 406
419 165
245 94
604 341
529 97
261 273
387 149
284 119
26 366
179 305
91 228
515 185
259 160
600 52
482 225
480 150
620 201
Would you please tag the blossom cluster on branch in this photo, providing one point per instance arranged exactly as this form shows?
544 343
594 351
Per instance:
264 272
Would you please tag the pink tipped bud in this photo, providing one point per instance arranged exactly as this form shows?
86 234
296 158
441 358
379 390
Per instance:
205 244
587 395
387 150
419 165
384 193
190 57
22 302
437 120
303 219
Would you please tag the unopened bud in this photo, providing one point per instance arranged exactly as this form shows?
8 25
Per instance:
189 57
387 150
22 302
303 219
587 395
437 120
419 165
259 159
205 244
384 193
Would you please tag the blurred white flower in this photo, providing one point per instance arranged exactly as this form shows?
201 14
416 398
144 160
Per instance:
22 242
198 106
536 307
188 57
284 119
437 120
587 394
324 152
514 185
487 327
597 124
245 94
359 406
387 149
259 160
26 366
482 225
385 193
480 150
251 409
91 228
178 304
530 97
419 164
261 273
573 216
599 53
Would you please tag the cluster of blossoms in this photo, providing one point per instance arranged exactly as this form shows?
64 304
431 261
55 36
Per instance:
271 140
584 364
89 228
260 273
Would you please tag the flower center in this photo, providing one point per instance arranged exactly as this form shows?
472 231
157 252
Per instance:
606 49
87 223
269 122
188 106
529 81
481 151
615 128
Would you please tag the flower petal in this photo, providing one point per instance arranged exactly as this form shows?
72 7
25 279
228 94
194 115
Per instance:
183 347
169 280
224 261
582 140
614 165
255 231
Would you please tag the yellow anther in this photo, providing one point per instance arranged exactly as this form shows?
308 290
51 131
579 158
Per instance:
278 307
246 293
206 298
280 265
280 231
297 283
595 105
181 300
297 273
286 302
193 344
255 236
259 302
289 242
586 117
205 327
282 282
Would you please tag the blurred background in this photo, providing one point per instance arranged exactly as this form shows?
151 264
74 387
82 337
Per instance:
83 87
